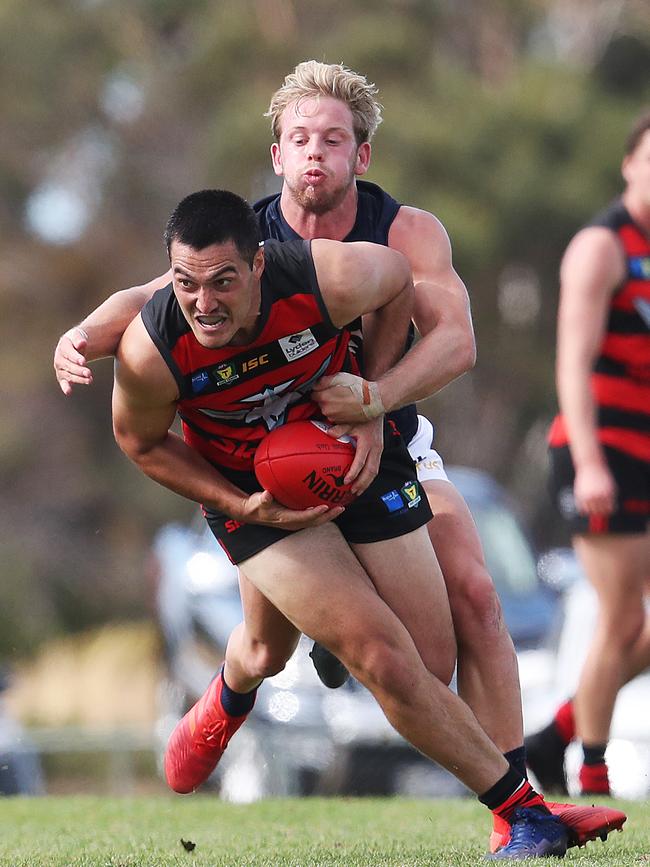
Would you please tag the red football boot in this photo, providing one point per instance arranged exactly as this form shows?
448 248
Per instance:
584 824
199 740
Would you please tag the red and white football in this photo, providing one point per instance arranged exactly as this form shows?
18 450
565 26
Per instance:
302 466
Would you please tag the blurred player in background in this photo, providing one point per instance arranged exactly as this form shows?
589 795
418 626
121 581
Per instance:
600 459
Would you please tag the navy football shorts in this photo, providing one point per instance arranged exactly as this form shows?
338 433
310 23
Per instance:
632 475
394 504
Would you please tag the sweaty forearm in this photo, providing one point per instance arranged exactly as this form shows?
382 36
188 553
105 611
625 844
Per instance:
173 464
436 360
384 334
579 411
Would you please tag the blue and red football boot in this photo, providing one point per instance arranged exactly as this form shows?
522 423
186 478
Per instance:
533 834
583 824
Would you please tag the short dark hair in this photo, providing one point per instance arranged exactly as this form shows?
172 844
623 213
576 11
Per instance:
214 217
640 128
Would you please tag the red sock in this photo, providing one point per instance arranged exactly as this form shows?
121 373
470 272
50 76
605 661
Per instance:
525 796
565 722
510 793
594 779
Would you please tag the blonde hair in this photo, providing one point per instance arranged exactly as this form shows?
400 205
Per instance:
313 79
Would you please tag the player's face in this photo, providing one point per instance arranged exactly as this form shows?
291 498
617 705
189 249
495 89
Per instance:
636 170
218 292
317 154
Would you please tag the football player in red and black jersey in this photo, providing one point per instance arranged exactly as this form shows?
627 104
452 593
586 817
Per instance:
600 454
231 301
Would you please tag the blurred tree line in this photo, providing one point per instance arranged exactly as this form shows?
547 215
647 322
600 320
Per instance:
505 118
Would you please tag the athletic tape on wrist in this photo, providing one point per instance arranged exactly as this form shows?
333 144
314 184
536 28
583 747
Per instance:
81 330
367 393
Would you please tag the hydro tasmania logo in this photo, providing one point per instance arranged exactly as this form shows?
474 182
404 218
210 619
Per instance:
200 381
297 345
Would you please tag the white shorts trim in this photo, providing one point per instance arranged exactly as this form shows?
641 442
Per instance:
428 462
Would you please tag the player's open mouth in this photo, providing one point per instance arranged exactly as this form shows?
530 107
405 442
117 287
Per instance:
211 323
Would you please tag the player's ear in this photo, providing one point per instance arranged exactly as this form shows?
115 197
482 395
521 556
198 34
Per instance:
258 263
363 158
276 158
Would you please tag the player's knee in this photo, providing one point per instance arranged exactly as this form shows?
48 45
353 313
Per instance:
265 661
624 631
475 607
379 663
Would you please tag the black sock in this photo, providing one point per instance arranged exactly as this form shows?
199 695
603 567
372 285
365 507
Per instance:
511 792
517 758
594 754
236 703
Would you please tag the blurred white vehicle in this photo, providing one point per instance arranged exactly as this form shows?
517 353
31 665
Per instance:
20 765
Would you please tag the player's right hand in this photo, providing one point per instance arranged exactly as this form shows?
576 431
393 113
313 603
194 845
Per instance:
261 508
69 362
594 490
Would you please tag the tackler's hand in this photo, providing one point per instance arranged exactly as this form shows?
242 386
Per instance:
345 397
69 361
369 438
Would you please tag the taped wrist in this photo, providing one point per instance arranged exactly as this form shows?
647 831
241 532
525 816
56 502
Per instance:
81 331
366 393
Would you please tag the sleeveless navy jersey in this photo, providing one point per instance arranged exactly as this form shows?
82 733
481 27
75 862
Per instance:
620 381
376 211
230 397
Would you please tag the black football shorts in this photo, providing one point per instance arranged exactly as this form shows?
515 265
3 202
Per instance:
394 504
632 475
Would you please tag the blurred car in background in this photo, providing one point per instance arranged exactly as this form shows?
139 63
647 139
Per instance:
20 765
302 738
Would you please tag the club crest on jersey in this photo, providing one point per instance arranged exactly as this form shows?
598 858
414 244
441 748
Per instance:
224 374
200 381
411 493
639 267
297 345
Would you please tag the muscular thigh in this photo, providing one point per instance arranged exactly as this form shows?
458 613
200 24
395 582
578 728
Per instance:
406 575
617 565
453 534
314 579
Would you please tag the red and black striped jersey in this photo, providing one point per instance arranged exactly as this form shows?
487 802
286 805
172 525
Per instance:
232 396
620 380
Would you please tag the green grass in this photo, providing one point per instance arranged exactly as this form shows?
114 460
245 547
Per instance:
146 832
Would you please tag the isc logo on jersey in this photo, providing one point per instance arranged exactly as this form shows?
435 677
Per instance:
298 344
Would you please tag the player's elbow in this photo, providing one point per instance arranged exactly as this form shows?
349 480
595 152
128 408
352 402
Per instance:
466 352
133 446
463 358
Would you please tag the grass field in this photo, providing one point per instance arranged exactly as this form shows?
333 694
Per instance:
147 832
